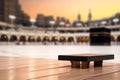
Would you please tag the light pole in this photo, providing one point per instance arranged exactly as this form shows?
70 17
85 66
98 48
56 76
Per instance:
62 24
78 24
109 22
33 22
96 24
12 18
52 23
115 20
86 25
103 23
68 25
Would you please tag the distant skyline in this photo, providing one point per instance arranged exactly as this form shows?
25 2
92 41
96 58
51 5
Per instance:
70 8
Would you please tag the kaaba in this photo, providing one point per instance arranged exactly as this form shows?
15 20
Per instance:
100 36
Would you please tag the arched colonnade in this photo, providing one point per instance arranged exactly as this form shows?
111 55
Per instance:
49 39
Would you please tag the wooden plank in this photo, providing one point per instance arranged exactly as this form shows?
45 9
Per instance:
18 72
47 69
111 76
80 74
20 62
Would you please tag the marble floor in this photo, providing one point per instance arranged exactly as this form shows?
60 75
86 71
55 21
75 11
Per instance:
52 51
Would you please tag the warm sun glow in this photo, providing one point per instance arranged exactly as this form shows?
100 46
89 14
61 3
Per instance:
70 8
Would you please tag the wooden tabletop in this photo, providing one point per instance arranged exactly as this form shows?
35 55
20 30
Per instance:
16 68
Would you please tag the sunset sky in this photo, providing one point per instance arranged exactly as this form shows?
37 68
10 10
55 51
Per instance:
70 8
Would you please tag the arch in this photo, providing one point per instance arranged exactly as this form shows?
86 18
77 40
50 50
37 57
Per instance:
118 38
3 37
78 39
62 39
31 39
112 39
13 38
46 39
54 39
70 39
82 39
86 39
22 39
1 28
38 39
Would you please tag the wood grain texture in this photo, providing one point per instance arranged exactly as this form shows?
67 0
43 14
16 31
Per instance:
18 68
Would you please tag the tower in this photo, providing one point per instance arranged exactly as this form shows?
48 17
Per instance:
40 20
89 15
78 17
7 7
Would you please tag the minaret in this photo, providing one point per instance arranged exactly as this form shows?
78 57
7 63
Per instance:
78 17
89 15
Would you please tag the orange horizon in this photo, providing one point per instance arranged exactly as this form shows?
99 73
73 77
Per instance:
69 8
